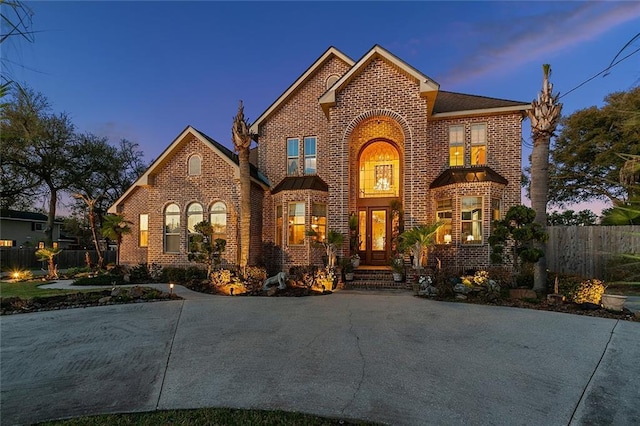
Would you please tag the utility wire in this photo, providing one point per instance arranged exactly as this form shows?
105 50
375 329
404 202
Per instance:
601 72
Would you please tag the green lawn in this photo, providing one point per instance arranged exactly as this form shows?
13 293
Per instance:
207 416
30 289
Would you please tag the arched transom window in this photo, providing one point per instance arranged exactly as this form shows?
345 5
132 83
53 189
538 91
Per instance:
379 167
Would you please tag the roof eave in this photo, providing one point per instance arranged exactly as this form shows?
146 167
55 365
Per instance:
484 111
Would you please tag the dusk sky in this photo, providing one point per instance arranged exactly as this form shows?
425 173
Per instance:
145 70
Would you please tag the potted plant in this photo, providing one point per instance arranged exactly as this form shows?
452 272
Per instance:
347 269
331 242
355 260
397 265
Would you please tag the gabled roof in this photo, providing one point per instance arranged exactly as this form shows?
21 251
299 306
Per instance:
449 104
428 87
330 52
467 174
26 216
296 183
222 151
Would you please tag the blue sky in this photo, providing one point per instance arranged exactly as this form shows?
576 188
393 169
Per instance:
145 70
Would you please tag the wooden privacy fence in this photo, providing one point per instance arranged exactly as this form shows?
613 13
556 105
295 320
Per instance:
586 250
11 257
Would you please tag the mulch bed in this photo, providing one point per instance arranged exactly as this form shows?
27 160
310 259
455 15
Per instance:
17 305
587 309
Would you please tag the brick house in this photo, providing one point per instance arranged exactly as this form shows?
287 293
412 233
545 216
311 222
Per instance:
346 138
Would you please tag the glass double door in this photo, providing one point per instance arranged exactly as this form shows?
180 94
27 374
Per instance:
374 232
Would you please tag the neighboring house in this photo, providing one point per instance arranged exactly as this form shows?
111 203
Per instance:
346 138
26 229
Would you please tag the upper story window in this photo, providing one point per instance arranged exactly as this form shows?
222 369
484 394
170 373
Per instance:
456 146
310 155
296 228
478 144
292 156
143 229
379 166
172 229
471 220
195 165
218 219
444 213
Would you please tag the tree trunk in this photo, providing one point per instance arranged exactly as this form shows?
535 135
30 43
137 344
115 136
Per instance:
538 193
92 225
245 207
51 216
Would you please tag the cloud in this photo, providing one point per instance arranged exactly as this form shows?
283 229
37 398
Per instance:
500 48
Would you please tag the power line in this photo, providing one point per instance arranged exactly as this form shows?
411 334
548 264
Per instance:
601 72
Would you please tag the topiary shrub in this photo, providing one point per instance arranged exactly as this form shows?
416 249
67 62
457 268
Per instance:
100 280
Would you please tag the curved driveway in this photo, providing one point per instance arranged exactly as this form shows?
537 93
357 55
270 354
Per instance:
379 356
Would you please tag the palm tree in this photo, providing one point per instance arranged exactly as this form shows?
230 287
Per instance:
47 254
242 143
418 241
114 227
544 116
91 207
331 243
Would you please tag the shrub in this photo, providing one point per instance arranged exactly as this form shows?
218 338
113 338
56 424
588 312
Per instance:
140 274
171 274
589 291
221 277
100 280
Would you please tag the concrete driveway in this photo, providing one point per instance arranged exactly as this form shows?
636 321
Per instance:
385 357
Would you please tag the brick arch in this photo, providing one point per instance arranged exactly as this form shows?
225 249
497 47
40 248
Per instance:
379 114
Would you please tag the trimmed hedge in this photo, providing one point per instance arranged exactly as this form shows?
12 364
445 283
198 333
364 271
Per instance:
100 280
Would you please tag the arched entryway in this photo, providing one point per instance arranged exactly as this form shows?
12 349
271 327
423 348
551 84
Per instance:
379 181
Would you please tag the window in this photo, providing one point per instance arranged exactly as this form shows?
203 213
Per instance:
279 223
444 214
37 226
6 243
292 156
379 171
332 80
310 155
54 244
195 215
471 218
143 227
172 229
296 224
195 165
41 244
478 144
218 219
319 220
456 146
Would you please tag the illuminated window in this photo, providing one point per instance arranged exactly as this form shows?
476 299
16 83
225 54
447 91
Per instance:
195 165
218 219
195 215
471 218
444 210
296 229
279 224
143 238
310 155
55 244
319 220
172 229
292 156
41 245
478 144
456 146
6 243
379 171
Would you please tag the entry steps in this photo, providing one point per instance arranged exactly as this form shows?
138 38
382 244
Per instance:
375 279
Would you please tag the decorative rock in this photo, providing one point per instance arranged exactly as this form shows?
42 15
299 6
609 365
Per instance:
116 292
461 288
272 291
136 292
428 291
105 299
461 296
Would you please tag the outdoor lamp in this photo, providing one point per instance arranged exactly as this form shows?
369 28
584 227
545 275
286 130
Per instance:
171 288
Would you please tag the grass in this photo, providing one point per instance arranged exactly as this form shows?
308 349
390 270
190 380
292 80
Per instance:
206 416
31 289
623 288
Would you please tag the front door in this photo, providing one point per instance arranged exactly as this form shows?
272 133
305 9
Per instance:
374 229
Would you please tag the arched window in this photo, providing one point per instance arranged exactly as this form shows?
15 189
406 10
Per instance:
195 165
379 171
172 229
218 219
331 80
195 215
